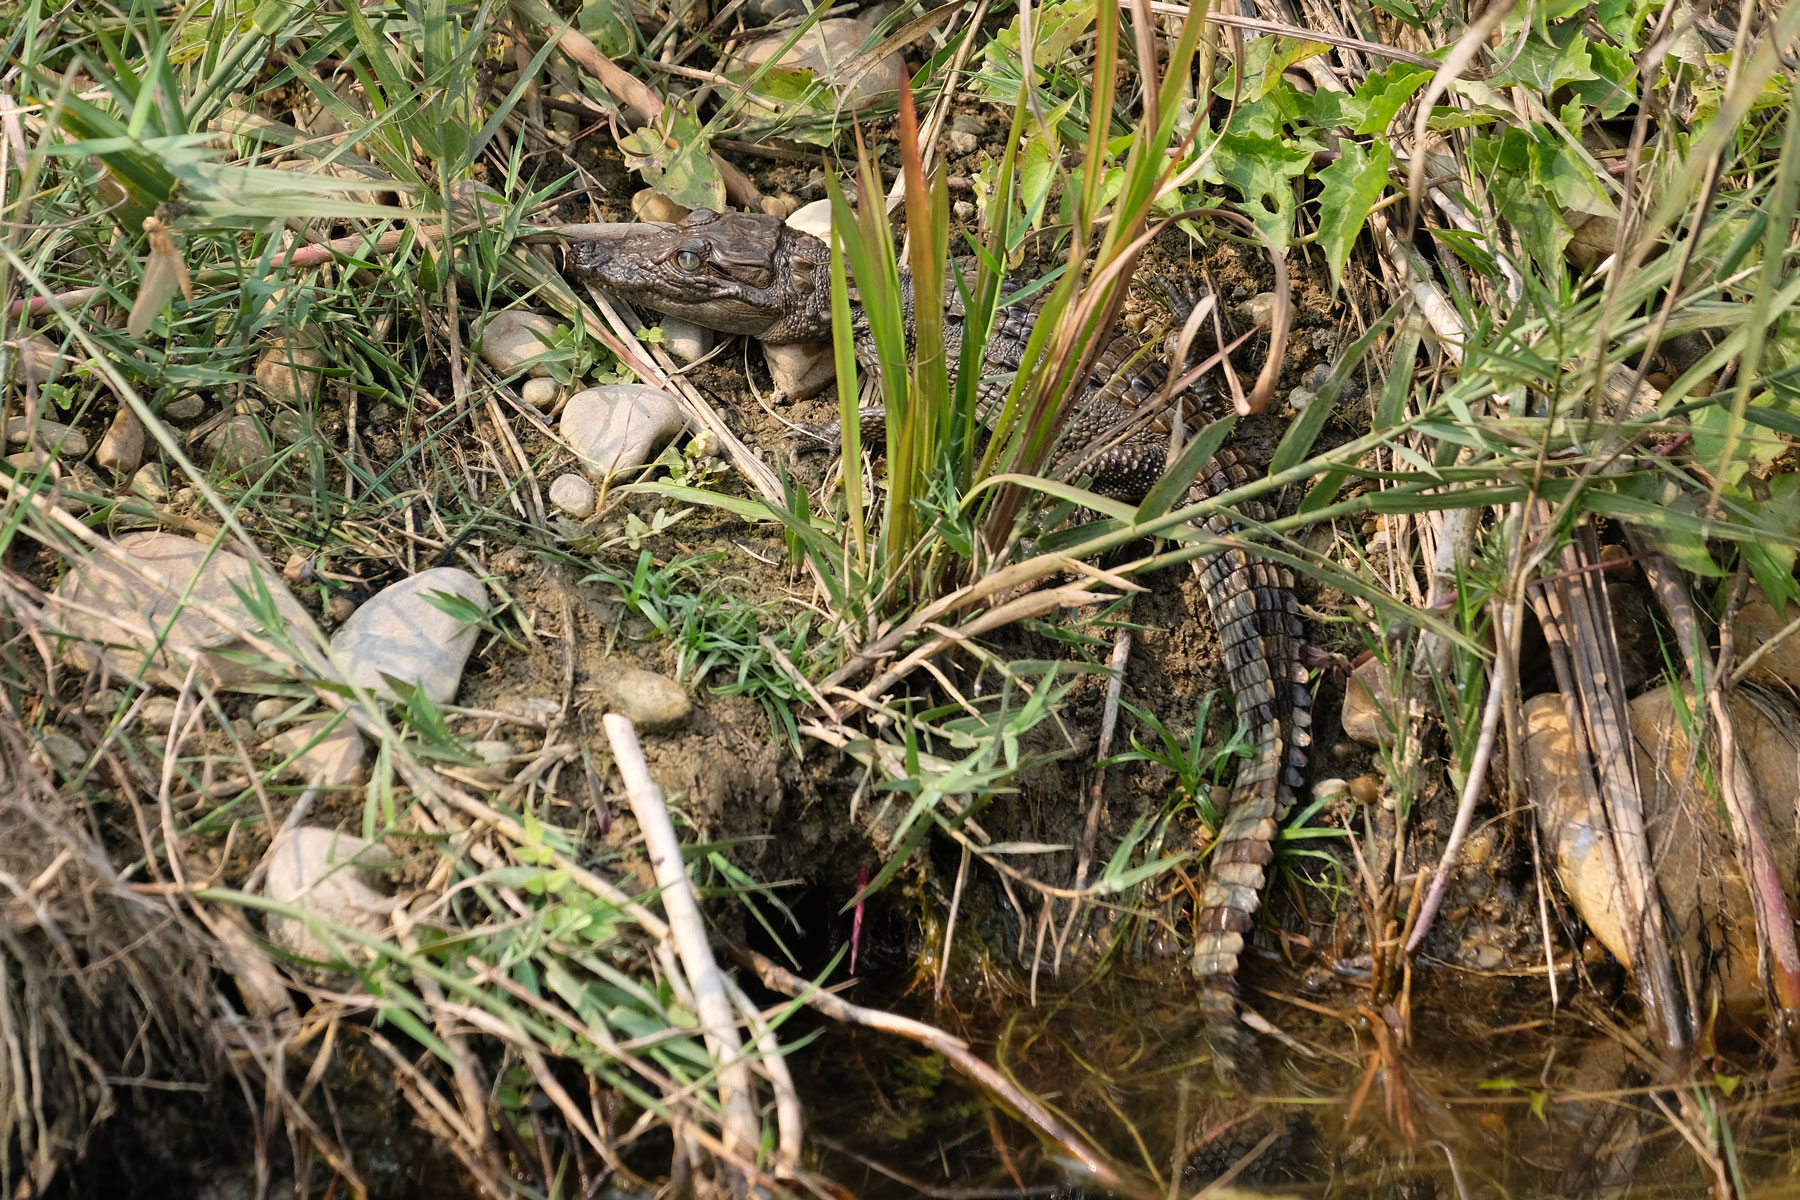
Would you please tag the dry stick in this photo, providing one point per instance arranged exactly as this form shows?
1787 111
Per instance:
712 1005
953 1048
1603 695
790 1132
956 894
1653 990
33 305
1774 916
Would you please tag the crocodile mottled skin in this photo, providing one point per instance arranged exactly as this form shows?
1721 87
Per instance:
752 274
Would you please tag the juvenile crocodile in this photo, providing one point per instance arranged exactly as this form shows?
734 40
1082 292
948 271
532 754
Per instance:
753 274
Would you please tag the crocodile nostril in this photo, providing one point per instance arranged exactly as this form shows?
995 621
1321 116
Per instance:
589 257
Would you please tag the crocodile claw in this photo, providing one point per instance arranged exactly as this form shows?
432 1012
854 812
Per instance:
805 436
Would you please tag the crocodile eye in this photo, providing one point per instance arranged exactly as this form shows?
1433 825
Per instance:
687 260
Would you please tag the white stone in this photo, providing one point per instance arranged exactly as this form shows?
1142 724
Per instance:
620 426
266 710
685 340
113 608
151 482
962 143
335 761
541 392
573 495
801 370
331 876
511 336
400 633
814 218
826 50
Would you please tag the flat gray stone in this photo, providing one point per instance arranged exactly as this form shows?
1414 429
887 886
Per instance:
184 408
400 633
511 336
115 614
620 426
151 482
335 761
331 876
237 445
53 436
826 50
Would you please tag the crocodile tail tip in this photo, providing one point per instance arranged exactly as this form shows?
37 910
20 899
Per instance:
1225 1038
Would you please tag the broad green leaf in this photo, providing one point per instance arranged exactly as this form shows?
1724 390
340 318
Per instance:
1568 179
1054 31
1383 94
609 24
1508 163
1350 187
1614 86
1545 65
1287 52
674 157
1263 169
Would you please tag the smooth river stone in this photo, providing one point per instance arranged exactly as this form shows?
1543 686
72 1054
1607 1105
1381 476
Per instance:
332 876
400 633
116 614
620 426
683 339
825 50
511 336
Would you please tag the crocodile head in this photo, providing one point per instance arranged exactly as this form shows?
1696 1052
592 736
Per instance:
732 272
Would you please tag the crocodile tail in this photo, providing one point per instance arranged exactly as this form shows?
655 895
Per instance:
1257 617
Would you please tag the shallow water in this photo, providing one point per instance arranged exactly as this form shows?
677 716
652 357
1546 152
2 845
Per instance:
1485 1092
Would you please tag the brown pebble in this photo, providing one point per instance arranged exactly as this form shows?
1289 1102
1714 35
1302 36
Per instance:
1365 789
1342 750
1459 913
